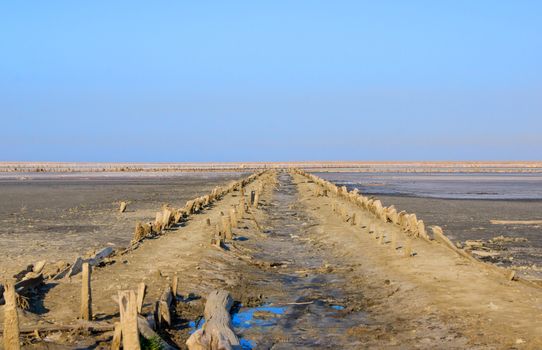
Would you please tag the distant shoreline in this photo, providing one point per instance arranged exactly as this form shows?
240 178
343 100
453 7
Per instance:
324 166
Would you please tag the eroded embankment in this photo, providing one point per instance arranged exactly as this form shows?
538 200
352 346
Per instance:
305 272
476 302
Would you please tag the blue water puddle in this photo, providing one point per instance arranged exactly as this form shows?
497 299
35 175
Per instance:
247 344
195 325
245 317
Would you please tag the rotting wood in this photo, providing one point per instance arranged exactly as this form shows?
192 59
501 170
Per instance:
256 199
174 287
164 305
141 291
252 196
117 337
226 227
381 238
233 218
86 292
217 332
408 248
11 319
393 244
128 320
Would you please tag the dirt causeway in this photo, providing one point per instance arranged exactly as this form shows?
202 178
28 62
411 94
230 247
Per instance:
304 273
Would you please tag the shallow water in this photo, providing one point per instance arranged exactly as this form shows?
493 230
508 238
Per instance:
446 186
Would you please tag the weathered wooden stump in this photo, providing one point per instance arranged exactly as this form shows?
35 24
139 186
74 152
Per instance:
117 337
408 248
86 292
217 332
226 227
141 291
233 217
11 318
381 238
252 196
393 244
122 207
139 233
128 320
256 199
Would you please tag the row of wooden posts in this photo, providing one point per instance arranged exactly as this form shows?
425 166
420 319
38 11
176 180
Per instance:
217 332
224 229
130 303
409 223
372 229
169 216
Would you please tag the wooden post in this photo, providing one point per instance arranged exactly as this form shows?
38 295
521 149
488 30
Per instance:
122 207
226 227
128 320
141 291
174 287
252 196
408 248
86 293
353 222
393 240
343 214
256 199
117 337
11 319
233 217
208 221
166 299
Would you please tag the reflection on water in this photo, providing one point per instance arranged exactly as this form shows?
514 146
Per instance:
447 186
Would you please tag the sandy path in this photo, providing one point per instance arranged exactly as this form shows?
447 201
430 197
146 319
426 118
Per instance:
327 283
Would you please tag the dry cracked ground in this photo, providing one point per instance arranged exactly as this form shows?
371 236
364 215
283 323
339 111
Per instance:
302 278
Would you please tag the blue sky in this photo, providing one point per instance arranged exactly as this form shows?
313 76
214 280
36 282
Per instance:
270 80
